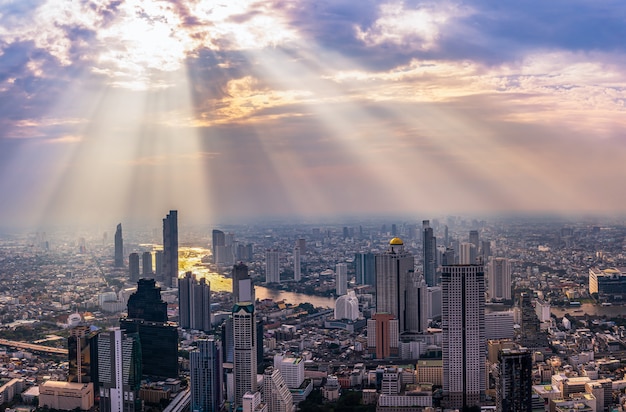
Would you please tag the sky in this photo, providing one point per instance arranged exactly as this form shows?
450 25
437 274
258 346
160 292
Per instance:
120 110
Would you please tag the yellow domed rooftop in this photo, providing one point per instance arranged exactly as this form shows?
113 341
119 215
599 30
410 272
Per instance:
396 241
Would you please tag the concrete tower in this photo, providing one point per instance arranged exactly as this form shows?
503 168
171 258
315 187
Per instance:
392 277
245 341
463 324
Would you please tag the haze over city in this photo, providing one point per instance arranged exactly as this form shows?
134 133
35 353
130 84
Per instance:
228 110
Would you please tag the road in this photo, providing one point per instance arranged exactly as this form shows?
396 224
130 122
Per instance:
33 347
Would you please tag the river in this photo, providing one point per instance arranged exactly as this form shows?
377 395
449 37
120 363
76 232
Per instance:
190 259
590 309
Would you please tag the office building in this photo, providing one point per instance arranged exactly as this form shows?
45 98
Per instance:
499 278
205 367
607 283
218 246
416 303
194 303
147 316
297 269
170 249
474 239
292 370
463 324
119 247
146 264
514 381
365 268
485 249
429 251
158 264
119 371
392 279
301 244
82 347
245 350
499 325
133 267
341 279
243 290
276 394
383 337
272 268
252 402
467 254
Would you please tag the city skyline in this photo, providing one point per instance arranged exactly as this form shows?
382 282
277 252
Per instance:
119 111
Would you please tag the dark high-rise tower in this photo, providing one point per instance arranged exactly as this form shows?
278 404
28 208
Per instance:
194 303
170 249
205 367
133 267
514 381
429 251
146 264
463 324
365 268
147 315
474 239
243 290
119 247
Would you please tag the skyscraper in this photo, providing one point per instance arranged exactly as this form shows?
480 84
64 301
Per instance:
147 316
341 279
119 246
272 268
514 381
133 267
467 253
194 303
365 268
297 270
245 351
463 324
82 346
218 244
276 394
158 265
243 290
429 251
170 249
205 364
416 303
474 239
499 279
119 371
146 264
392 278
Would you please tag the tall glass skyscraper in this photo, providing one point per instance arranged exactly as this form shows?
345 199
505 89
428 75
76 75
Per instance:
205 364
170 249
119 246
429 251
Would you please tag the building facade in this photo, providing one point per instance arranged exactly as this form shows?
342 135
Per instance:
205 364
463 324
194 303
170 249
245 350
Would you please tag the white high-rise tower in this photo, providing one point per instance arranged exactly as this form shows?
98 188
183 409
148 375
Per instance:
463 324
244 340
272 268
